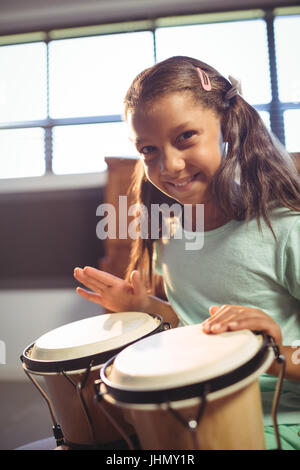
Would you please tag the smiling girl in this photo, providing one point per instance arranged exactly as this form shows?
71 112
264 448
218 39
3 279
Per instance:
202 143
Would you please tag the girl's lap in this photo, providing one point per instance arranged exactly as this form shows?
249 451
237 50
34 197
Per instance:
289 437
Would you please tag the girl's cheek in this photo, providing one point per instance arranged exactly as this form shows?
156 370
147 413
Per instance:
151 173
148 174
146 170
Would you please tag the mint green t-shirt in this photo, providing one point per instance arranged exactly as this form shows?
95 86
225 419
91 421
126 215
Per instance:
239 265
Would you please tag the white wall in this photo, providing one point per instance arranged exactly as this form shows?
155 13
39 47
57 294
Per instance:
27 314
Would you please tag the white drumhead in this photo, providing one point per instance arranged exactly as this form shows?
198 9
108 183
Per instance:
93 335
180 357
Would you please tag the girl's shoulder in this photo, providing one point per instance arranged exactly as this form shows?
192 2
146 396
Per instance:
283 216
286 225
282 213
283 223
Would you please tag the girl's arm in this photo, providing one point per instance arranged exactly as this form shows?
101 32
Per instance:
162 308
239 317
118 295
292 357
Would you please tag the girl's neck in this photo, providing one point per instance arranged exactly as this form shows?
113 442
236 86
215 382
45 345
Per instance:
213 218
211 223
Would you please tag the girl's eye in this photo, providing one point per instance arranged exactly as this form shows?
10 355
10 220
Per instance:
146 150
185 136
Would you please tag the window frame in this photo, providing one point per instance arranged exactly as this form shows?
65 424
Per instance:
275 107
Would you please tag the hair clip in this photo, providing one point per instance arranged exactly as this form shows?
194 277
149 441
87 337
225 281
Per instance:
205 81
236 88
236 82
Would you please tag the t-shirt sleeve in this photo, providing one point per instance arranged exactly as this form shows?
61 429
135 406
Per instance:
291 260
156 259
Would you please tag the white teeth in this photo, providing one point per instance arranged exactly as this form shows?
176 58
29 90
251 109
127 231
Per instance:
183 184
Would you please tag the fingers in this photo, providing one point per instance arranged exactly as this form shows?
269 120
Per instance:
101 276
96 298
220 316
227 317
237 317
213 309
256 323
95 279
88 281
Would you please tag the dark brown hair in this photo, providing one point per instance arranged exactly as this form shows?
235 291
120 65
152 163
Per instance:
268 176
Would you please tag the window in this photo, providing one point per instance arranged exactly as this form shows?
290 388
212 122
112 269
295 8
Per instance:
90 76
232 48
61 92
23 97
287 34
82 148
21 152
291 121
23 82
266 118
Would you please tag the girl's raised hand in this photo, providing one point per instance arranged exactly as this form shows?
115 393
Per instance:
238 317
110 291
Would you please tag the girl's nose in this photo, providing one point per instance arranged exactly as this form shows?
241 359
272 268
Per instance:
172 162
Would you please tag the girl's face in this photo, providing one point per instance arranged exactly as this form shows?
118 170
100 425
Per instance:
180 143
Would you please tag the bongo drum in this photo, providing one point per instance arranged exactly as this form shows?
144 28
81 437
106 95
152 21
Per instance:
69 358
184 389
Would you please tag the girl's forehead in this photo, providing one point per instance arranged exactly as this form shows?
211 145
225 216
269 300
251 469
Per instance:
170 107
168 100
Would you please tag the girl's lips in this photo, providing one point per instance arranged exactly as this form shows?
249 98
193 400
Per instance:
184 184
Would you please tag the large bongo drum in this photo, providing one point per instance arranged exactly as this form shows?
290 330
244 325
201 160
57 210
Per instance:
69 358
184 389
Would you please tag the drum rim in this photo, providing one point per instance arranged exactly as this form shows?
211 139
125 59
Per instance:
82 362
192 390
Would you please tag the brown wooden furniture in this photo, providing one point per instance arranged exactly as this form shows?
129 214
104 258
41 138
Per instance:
117 250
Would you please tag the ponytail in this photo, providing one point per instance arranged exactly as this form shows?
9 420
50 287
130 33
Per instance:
267 174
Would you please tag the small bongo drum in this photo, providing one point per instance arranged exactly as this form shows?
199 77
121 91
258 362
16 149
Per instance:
184 389
69 359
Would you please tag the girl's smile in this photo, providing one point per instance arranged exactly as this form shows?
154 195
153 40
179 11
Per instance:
183 184
180 143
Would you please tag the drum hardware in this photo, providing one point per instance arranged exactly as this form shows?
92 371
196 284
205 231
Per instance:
79 387
56 429
99 397
280 358
192 424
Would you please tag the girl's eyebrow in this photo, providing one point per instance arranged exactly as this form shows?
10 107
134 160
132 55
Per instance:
141 140
188 125
182 126
137 141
